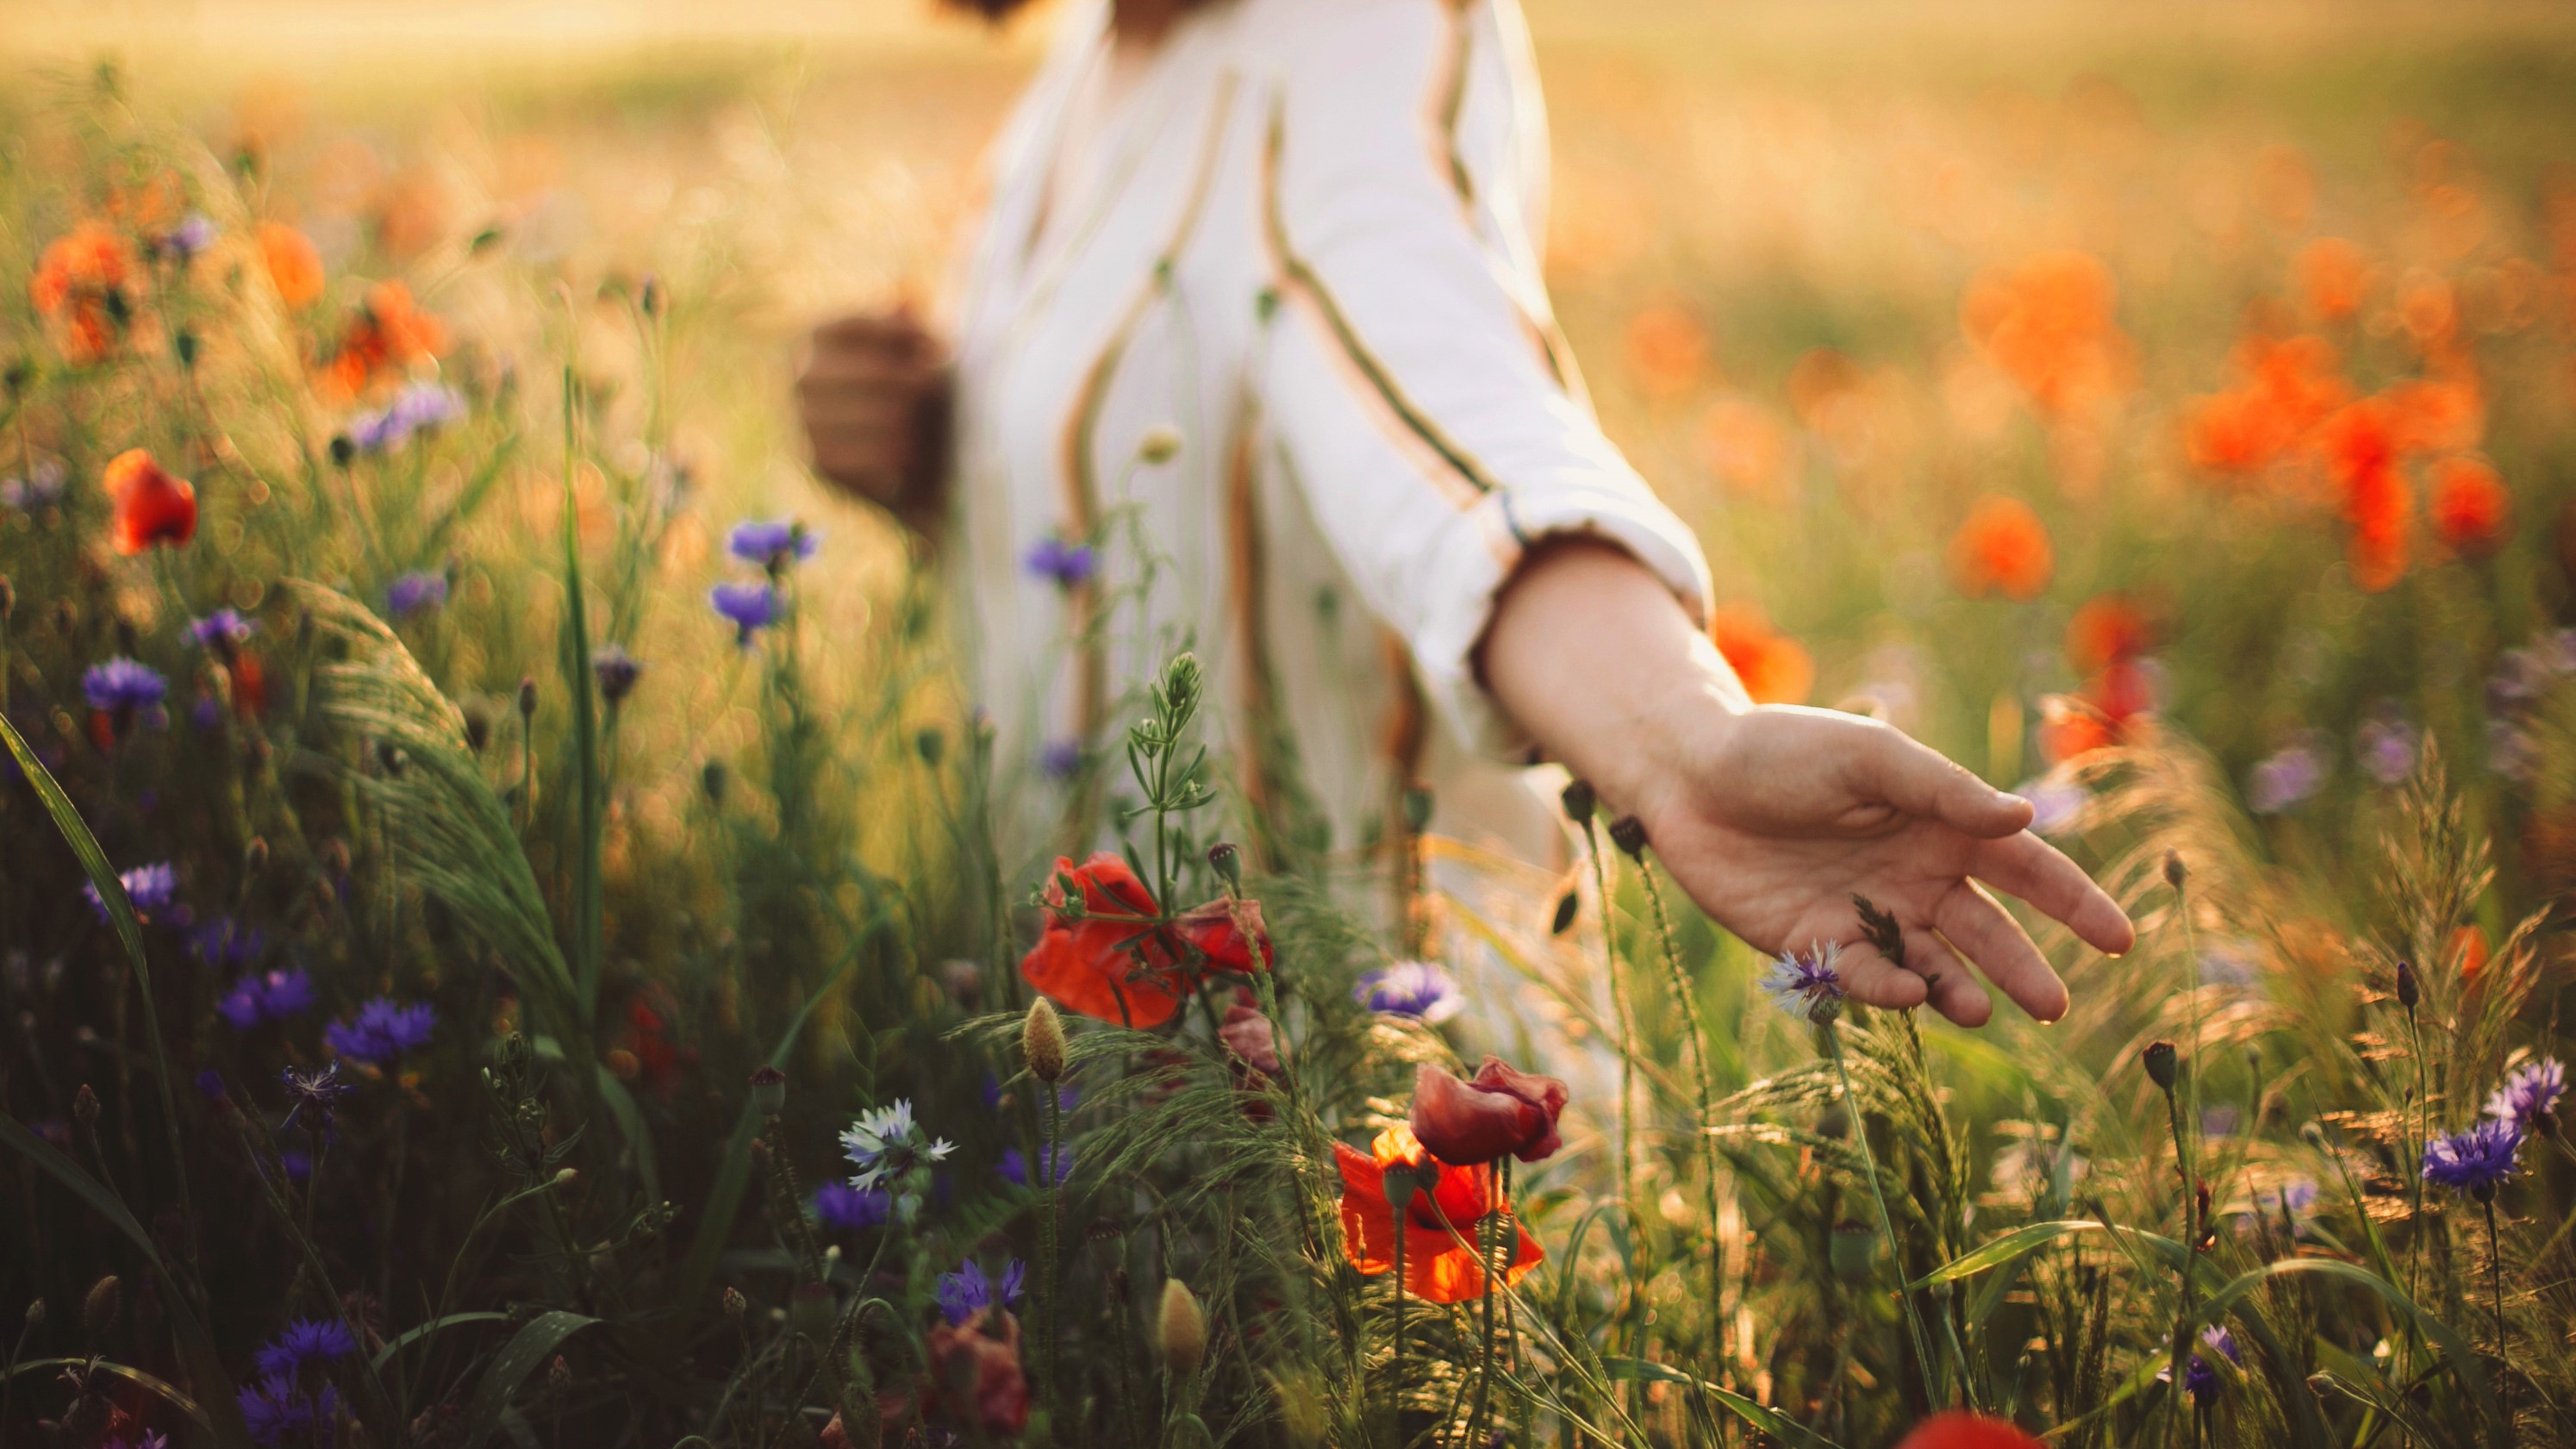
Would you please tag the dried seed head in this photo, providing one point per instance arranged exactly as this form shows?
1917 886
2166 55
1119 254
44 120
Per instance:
2174 872
735 1305
1042 1041
1579 801
2163 1063
1180 1328
769 1091
1566 907
98 1309
1629 834
2409 990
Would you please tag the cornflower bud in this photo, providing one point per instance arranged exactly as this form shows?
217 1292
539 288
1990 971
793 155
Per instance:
2163 1064
1579 801
2409 990
1180 1327
1629 834
1042 1041
2174 872
768 1091
98 1309
1228 861
527 697
1566 906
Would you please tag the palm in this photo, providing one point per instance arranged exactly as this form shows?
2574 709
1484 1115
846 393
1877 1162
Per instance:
1797 811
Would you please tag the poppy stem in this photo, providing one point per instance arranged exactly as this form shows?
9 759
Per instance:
1397 1396
1488 1234
1047 1173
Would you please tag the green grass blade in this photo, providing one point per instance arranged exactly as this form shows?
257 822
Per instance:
588 909
170 1393
527 1349
2032 1237
2463 1362
1770 1421
630 1121
385 1355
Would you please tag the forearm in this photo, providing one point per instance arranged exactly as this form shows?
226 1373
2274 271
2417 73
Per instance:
1589 652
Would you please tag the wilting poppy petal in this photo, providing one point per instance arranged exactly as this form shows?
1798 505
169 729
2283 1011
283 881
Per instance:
1501 1111
1440 1258
151 507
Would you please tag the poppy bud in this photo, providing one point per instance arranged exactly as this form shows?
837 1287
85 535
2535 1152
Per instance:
1042 1041
2174 872
527 697
1161 444
735 1305
1228 861
712 780
931 746
1501 1111
768 1091
1579 801
2163 1063
2409 991
1417 807
1180 1328
1566 906
1629 834
35 1314
98 1310
85 1108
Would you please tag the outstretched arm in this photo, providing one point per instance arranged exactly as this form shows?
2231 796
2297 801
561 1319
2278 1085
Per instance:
1772 817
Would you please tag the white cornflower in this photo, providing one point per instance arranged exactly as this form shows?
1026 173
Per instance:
1808 987
887 1143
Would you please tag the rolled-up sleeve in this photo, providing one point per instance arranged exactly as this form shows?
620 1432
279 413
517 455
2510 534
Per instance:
1404 372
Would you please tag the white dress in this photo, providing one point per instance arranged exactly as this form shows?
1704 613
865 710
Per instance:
1303 237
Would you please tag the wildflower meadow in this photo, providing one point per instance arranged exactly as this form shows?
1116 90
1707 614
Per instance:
505 939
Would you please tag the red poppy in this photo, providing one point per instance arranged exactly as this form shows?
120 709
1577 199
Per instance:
151 507
1502 1110
975 1377
79 285
1775 668
1440 1260
2101 715
2002 548
1114 963
2107 630
388 334
294 266
1959 1429
2471 508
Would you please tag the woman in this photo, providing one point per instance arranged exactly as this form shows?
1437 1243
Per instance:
1296 237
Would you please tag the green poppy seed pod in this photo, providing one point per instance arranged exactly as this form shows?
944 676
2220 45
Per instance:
2409 990
1566 907
1401 1184
1042 1040
527 697
1579 801
2175 875
1180 1328
1855 1251
1161 444
1228 861
2163 1064
1629 834
98 1309
769 1091
1417 807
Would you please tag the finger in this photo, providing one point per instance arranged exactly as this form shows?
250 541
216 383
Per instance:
2026 866
2001 949
1921 780
1872 980
1950 987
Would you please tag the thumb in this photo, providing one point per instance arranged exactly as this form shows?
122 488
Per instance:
1920 780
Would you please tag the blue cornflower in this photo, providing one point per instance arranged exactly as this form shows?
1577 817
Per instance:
1067 563
773 544
751 606
277 1412
415 592
149 887
382 1030
2529 1095
189 239
222 632
421 407
313 1096
2475 1161
2199 1379
967 1291
617 672
1014 1166
267 996
1418 989
121 686
306 1341
1060 759
227 944
41 489
849 1209
1808 987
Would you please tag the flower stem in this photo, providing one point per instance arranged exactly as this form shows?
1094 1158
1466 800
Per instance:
1707 1096
2495 1285
1397 1396
1628 1047
1050 1246
1886 1223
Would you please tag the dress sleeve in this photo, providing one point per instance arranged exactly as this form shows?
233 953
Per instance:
1407 367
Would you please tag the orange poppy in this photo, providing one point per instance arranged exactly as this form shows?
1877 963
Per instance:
1775 668
79 285
2469 948
2002 548
975 1377
2107 630
1115 962
2428 415
151 507
388 334
1440 1257
2331 275
2099 715
2287 385
2471 508
2051 325
294 266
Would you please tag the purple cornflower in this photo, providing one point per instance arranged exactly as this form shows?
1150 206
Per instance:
222 632
210 1085
419 408
1069 564
1808 987
1060 759
1418 989
2386 746
2055 802
121 686
849 1209
42 488
306 1341
266 996
188 240
2293 774
150 888
773 544
227 944
2476 1161
965 1292
2199 1379
278 1412
617 672
751 606
382 1030
1014 1166
413 592
2529 1095
312 1096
